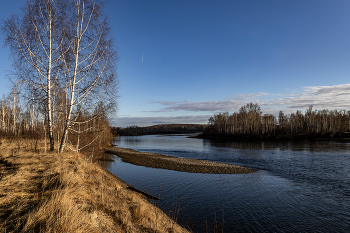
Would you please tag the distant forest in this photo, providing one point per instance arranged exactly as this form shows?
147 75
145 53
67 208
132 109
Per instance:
249 122
158 129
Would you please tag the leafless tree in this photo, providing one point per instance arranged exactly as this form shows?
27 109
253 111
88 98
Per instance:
63 52
249 122
35 40
89 65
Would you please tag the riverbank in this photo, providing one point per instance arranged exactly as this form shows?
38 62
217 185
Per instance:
155 160
279 137
47 192
158 129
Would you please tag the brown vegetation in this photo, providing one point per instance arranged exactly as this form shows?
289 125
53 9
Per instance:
64 65
64 89
47 192
19 119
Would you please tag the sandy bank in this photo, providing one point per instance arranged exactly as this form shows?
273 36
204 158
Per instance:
173 163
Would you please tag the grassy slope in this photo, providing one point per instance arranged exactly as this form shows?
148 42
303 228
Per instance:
47 192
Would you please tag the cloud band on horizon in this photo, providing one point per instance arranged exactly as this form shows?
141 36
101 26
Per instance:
320 97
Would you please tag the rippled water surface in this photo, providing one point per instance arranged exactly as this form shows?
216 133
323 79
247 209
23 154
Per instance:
298 187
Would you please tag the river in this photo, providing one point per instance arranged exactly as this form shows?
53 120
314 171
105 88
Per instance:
298 186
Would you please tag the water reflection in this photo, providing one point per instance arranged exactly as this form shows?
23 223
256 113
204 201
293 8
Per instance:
301 145
134 140
299 186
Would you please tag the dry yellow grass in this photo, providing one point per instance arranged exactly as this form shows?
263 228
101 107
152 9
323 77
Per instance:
47 192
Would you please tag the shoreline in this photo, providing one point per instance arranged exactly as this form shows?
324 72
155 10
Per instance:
48 192
155 160
288 137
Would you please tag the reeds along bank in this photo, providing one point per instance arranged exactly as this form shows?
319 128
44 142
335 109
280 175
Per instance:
250 121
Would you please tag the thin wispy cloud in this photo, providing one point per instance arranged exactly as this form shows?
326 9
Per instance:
248 96
169 103
143 54
321 97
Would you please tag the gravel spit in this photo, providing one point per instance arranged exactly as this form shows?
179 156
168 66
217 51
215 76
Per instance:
155 160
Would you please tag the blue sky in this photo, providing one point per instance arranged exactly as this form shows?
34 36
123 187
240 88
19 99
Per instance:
183 61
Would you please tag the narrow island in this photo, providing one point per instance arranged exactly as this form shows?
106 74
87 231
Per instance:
155 160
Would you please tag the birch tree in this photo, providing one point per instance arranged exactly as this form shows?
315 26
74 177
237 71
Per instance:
4 110
35 40
63 48
89 66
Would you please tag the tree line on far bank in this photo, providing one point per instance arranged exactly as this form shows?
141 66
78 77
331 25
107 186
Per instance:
249 122
158 129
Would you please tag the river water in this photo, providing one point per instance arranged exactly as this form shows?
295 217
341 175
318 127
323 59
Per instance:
298 186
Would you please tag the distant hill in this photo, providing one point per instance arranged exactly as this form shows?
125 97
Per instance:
159 129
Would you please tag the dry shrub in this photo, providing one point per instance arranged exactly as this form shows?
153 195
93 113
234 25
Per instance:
49 192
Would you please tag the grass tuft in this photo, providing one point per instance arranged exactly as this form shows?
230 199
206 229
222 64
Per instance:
50 192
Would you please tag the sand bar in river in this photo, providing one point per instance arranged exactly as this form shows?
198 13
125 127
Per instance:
155 160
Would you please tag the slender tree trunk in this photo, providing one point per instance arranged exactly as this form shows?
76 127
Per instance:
3 125
78 138
72 89
14 112
49 104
